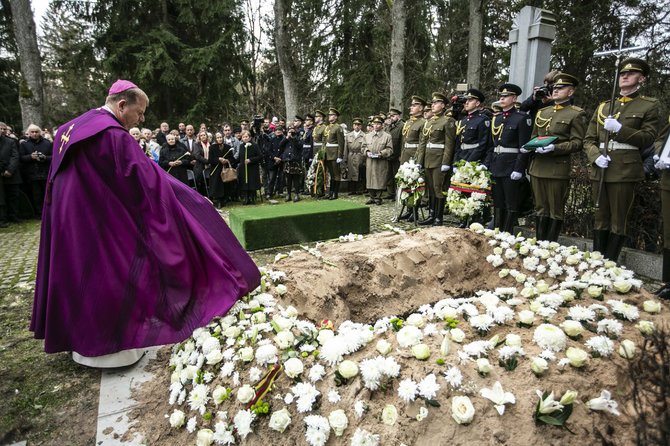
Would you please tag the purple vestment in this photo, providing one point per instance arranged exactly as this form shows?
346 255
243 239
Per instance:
129 257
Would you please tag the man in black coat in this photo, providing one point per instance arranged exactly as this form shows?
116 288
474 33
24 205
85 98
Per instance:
473 131
35 156
273 162
11 179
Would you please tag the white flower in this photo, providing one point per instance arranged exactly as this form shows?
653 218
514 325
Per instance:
359 408
513 340
245 394
581 314
610 327
258 318
285 339
624 310
242 422
177 418
384 347
498 396
306 395
423 413
232 332
222 435
457 335
318 430
364 438
428 387
572 328
645 327
281 323
209 344
568 295
462 410
526 317
454 377
348 369
549 404
416 320
651 306
622 286
421 351
293 367
389 414
338 421
539 365
594 291
281 289
407 390
627 349
408 336
483 366
576 356
481 322
600 345
197 399
266 354
316 373
604 402
191 425
550 337
214 357
219 395
333 396
227 369
246 354
568 397
205 437
279 420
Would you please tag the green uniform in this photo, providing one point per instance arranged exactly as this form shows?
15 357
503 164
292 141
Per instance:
411 135
319 150
436 147
395 130
333 140
550 172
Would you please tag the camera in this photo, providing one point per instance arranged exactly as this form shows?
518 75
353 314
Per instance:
457 103
543 92
258 120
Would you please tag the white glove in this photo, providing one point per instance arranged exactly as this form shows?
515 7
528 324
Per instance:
484 167
369 154
522 150
516 176
445 168
660 165
547 149
455 171
603 161
338 161
612 125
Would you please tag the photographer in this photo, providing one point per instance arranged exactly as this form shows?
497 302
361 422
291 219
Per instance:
292 158
35 157
541 96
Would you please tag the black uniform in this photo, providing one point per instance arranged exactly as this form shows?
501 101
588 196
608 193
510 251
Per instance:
472 137
274 150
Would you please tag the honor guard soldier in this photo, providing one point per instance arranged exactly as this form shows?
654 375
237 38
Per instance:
550 165
333 138
472 132
633 126
435 154
355 158
317 139
395 129
510 130
427 112
411 135
663 143
307 144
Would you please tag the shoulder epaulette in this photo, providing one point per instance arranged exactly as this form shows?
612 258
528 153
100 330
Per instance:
648 98
574 107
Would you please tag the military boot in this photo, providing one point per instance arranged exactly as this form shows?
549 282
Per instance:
439 212
541 227
614 245
431 214
510 221
600 240
554 230
498 218
664 291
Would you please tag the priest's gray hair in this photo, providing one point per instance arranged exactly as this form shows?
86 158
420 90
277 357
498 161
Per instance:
131 96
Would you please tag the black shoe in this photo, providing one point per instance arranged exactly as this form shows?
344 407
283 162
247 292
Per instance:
379 201
389 197
406 215
288 198
431 214
439 212
371 201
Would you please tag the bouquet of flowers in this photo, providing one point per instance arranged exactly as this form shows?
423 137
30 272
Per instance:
469 189
411 185
315 179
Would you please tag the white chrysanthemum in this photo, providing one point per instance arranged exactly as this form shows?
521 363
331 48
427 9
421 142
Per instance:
601 345
318 430
428 387
430 330
306 395
332 351
334 396
550 337
610 327
495 260
409 336
191 425
477 349
502 314
197 399
364 438
209 345
222 435
359 408
508 352
481 322
266 354
407 390
624 310
373 370
454 377
316 373
581 314
551 300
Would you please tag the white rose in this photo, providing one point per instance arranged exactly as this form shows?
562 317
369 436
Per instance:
535 306
521 278
572 328
177 418
282 323
444 347
457 335
280 289
523 250
293 367
576 356
290 312
384 347
513 340
324 336
421 351
205 437
627 349
572 260
279 420
528 292
219 394
483 366
622 286
233 332
539 366
245 394
497 250
526 317
246 354
348 369
338 421
284 339
594 291
214 357
258 318
415 319
645 327
503 273
609 264
651 306
389 415
462 409
568 295
542 286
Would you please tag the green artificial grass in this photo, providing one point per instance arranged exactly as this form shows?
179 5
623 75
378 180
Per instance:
291 223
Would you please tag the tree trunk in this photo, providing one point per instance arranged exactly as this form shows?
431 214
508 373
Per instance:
31 95
475 43
397 74
283 47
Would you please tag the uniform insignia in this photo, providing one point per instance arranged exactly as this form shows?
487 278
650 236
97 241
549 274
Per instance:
487 123
529 122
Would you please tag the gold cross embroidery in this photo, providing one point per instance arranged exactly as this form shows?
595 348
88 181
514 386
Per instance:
64 138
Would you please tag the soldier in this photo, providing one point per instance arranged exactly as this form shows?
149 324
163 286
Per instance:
319 150
436 154
510 130
664 186
550 165
333 138
472 132
411 135
632 127
377 148
395 129
307 147
356 158
427 112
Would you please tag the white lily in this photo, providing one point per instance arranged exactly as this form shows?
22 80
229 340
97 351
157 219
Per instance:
604 402
549 404
498 396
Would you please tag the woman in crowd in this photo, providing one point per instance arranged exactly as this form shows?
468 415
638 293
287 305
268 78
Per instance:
200 161
221 157
174 159
248 172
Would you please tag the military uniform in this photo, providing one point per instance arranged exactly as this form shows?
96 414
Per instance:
395 129
319 150
510 130
550 171
472 137
664 186
333 139
436 149
639 118
356 159
380 146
